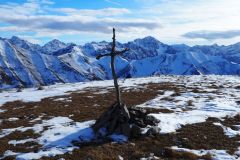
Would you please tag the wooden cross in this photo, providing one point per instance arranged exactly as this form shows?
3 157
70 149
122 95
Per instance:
113 54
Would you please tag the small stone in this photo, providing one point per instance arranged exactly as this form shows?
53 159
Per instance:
120 157
32 116
137 112
151 120
139 122
135 131
132 144
151 154
19 90
153 131
125 129
40 88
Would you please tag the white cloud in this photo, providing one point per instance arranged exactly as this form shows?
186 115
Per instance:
164 19
97 13
31 17
182 16
212 35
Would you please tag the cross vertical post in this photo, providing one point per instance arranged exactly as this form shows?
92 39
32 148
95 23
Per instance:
113 54
118 95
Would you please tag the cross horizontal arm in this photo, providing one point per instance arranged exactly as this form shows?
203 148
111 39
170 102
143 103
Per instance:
102 55
121 52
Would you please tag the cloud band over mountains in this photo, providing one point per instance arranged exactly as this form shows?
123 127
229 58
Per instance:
33 16
58 23
213 35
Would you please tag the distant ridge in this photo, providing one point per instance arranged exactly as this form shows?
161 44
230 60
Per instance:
25 64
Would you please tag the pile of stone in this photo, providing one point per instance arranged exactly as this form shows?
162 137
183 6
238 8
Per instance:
131 122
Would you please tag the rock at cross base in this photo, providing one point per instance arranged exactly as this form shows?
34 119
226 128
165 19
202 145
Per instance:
119 119
114 120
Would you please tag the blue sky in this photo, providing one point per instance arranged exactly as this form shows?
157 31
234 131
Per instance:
171 21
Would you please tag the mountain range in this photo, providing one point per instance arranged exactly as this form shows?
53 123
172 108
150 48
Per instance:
25 64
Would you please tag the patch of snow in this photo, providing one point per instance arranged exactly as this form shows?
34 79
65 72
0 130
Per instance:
46 153
64 89
61 131
216 154
228 131
206 102
13 119
151 157
62 99
5 132
14 142
8 153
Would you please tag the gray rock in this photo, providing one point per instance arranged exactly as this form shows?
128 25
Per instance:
153 131
139 122
40 88
137 112
151 120
135 131
125 129
118 118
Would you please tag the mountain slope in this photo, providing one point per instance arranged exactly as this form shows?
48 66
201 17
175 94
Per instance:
26 64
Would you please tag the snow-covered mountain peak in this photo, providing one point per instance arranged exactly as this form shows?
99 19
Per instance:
65 50
148 43
16 39
21 43
94 48
147 40
29 64
55 42
53 46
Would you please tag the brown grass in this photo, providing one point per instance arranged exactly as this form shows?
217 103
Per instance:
197 136
83 107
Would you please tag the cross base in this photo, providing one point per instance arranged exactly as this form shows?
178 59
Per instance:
118 119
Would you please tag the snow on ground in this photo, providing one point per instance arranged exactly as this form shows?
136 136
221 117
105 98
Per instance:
64 89
208 102
13 119
56 139
15 142
188 107
1 110
229 131
216 154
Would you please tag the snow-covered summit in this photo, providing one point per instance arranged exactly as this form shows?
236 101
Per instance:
21 43
53 46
